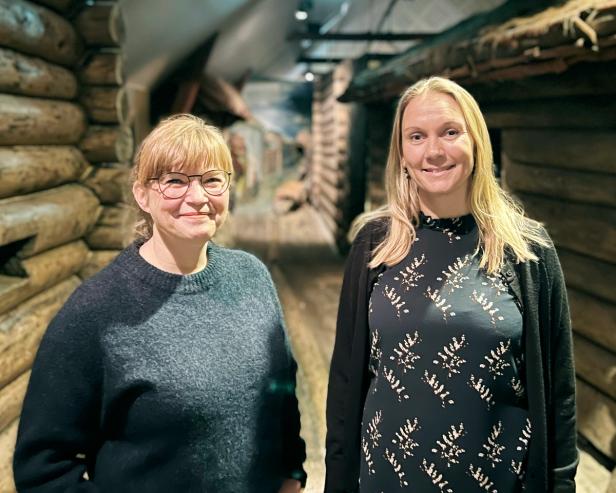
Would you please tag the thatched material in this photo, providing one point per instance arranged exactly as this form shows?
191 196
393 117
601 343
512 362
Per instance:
548 42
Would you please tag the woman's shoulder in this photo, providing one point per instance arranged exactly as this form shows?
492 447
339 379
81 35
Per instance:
373 230
237 259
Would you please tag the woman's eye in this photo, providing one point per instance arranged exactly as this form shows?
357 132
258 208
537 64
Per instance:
452 132
173 181
415 137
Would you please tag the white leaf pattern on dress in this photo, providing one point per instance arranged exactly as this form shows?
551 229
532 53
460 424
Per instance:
449 449
404 356
524 438
391 458
495 361
435 476
484 392
454 275
518 387
409 276
367 456
487 305
482 479
493 449
450 360
517 468
439 302
375 351
495 282
438 388
395 384
403 439
395 299
373 429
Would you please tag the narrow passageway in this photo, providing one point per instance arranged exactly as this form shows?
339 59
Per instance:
308 273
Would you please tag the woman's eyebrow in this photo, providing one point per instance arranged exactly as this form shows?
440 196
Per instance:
448 123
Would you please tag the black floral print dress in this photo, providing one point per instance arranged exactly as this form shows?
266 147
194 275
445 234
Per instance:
446 410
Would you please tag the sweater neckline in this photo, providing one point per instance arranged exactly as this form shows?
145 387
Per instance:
458 225
134 265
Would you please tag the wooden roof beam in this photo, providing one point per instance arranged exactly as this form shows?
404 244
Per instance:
366 36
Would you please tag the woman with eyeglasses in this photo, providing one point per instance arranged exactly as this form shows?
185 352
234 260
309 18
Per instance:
170 369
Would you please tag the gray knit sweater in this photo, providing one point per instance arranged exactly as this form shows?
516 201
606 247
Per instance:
152 381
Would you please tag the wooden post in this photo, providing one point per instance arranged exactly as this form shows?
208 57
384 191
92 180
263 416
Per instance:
101 24
102 68
105 104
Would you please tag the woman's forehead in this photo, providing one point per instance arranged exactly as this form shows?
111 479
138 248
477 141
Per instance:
432 107
190 168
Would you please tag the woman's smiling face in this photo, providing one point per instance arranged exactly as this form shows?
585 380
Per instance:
436 148
195 216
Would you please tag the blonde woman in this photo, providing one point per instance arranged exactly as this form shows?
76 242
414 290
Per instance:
170 369
452 367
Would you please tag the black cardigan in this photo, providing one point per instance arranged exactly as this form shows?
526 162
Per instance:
539 289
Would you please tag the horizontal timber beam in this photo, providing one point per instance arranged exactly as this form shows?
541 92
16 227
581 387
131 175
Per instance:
360 36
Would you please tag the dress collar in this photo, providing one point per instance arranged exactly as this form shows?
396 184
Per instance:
458 225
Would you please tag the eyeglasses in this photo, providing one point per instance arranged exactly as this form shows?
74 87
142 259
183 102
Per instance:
175 185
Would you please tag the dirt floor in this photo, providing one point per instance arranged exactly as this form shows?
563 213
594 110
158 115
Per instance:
308 273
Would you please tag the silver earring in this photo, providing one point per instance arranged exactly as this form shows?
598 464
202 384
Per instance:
406 172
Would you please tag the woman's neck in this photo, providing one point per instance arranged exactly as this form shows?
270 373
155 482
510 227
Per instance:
174 256
438 208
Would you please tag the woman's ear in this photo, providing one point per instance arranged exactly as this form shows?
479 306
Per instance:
140 192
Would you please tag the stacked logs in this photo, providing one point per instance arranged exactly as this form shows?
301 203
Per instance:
108 141
378 130
559 160
335 190
44 211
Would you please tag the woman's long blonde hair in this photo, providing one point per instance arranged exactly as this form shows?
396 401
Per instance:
181 141
500 220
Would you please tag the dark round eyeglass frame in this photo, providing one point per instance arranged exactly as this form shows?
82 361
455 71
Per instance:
162 188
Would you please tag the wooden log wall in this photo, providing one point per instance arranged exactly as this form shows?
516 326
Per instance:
558 158
108 142
64 150
378 127
44 211
338 167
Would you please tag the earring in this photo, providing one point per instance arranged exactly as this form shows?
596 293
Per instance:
406 172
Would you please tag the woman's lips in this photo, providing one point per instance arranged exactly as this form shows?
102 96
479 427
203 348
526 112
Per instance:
439 171
195 214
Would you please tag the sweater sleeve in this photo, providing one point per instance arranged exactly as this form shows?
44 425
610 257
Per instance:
339 374
561 418
294 448
58 425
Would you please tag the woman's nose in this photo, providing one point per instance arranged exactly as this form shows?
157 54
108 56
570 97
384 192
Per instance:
435 149
196 192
